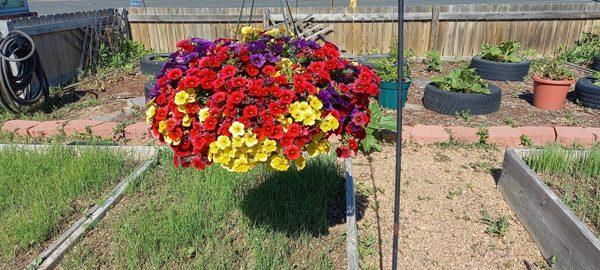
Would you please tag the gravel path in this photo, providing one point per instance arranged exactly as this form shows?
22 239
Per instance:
445 191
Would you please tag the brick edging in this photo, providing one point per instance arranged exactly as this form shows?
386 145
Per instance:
421 134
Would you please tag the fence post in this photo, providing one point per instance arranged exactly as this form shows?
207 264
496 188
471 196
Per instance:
433 32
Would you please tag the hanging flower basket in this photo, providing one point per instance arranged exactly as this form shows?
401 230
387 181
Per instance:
269 98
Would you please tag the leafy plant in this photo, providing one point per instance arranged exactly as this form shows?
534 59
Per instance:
507 52
584 50
378 122
496 226
596 77
484 134
552 69
433 60
386 68
526 141
463 80
125 55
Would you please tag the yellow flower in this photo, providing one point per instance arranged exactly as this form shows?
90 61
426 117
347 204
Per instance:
181 98
329 123
151 112
279 163
203 114
261 156
162 125
324 147
214 148
247 30
251 140
192 98
237 142
315 102
237 129
223 142
186 121
300 163
309 120
273 32
269 146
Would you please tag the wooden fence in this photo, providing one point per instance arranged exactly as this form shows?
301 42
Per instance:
454 30
59 39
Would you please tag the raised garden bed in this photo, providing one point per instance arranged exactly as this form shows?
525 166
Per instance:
43 193
210 219
558 232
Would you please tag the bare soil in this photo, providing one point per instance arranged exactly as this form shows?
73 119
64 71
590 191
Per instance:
445 191
516 108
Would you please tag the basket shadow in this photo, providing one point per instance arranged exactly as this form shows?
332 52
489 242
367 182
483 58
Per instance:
301 202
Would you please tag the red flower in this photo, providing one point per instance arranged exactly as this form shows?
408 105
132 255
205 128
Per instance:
236 97
238 82
353 144
269 70
343 151
251 70
293 130
316 67
250 111
198 163
172 123
228 71
190 82
161 113
174 74
219 97
210 123
292 152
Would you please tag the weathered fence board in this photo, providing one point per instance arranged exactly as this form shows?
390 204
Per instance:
454 30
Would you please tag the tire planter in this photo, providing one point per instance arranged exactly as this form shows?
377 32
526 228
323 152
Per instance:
596 63
500 71
149 66
588 93
148 88
548 94
451 103
388 94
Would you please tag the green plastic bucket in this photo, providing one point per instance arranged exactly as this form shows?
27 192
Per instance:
388 94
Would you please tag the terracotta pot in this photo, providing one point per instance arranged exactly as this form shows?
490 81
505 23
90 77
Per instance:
549 94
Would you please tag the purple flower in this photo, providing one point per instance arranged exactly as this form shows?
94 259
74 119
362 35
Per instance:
273 58
258 60
256 46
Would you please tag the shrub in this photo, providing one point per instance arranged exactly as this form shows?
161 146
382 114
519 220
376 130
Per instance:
552 69
126 54
433 60
507 51
386 67
584 50
463 80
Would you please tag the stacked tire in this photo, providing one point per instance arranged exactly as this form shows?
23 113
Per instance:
596 63
500 71
453 103
588 93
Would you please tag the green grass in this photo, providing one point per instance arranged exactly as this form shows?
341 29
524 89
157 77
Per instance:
189 219
575 178
39 192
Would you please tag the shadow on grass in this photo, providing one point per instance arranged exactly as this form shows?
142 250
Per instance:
301 202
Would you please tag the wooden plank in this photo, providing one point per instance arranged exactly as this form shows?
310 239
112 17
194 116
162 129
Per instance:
553 226
435 24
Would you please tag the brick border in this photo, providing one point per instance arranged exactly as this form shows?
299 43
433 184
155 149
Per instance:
420 134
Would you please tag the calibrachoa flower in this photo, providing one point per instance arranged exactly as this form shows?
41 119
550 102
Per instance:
270 98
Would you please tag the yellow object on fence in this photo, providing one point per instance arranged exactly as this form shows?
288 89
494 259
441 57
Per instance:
352 4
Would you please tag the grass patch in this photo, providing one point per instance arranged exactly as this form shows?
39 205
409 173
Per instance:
214 219
41 191
575 178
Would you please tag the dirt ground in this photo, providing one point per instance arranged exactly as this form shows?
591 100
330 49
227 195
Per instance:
445 191
516 108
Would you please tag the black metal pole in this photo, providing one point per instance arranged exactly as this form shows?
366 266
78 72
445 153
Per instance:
397 182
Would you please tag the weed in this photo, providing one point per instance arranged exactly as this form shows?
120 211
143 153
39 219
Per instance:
433 60
495 226
424 198
441 157
465 116
526 141
510 121
483 134
454 193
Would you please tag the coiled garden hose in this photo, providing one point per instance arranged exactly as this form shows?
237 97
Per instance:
19 62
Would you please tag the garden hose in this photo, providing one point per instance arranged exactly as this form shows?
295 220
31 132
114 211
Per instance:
18 64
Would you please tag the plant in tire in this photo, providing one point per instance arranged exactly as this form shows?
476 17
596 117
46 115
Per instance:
462 80
462 92
552 81
270 98
584 49
504 61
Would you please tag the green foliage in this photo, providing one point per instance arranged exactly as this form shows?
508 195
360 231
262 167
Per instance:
378 122
575 176
386 68
507 52
40 191
552 69
584 50
597 78
126 54
484 134
495 226
463 80
526 141
433 60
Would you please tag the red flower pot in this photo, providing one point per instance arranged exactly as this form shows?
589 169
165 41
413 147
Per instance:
549 94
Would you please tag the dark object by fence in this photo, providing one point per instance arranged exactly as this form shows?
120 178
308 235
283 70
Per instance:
151 65
148 88
596 63
553 226
500 71
452 103
588 93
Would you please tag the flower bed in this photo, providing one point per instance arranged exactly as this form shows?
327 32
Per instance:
266 99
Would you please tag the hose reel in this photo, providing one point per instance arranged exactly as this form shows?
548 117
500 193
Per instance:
20 70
